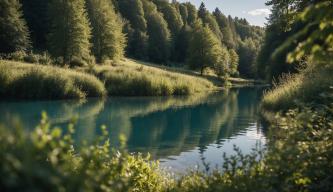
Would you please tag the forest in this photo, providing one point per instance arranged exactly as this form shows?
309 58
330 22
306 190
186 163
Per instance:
56 49
83 35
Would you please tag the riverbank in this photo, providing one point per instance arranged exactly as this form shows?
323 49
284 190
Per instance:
127 77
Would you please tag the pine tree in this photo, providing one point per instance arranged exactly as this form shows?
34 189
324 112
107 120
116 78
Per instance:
136 28
158 32
14 34
205 49
171 15
36 15
192 14
209 19
234 60
225 29
108 39
70 32
184 13
248 52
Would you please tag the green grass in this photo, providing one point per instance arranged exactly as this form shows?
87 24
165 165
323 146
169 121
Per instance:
310 85
30 81
133 78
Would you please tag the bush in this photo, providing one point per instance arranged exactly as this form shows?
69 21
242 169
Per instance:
26 81
45 59
76 62
17 56
31 58
297 160
45 160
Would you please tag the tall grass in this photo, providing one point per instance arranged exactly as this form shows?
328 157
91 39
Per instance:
131 79
27 81
310 85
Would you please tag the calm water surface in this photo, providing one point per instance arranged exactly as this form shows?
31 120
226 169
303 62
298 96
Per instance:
181 132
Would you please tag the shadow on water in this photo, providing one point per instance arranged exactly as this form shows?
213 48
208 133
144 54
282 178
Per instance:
164 127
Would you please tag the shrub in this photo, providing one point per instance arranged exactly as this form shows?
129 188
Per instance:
45 160
45 59
31 58
76 62
17 56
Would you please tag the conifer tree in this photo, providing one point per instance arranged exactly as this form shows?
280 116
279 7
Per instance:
158 32
184 13
14 33
192 13
171 15
208 19
234 60
205 49
108 39
36 15
175 24
70 30
223 23
136 28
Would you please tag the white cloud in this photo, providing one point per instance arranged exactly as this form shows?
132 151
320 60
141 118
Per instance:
259 12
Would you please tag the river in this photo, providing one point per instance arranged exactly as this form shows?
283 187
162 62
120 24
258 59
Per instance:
181 132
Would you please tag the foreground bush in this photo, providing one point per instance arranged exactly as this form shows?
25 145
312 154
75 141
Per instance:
26 81
299 157
45 160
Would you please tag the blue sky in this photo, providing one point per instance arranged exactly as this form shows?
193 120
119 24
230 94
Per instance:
255 11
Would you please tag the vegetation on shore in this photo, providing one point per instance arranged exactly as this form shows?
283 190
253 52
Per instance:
28 81
125 78
46 159
130 78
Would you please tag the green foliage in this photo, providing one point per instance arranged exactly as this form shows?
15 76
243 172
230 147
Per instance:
45 160
70 32
26 81
319 40
234 60
44 58
248 53
223 23
37 16
133 79
171 15
136 30
205 49
159 34
108 39
285 32
14 33
299 158
208 19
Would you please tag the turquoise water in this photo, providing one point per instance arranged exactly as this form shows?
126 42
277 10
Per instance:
181 132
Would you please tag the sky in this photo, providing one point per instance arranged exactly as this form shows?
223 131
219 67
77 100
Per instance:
255 11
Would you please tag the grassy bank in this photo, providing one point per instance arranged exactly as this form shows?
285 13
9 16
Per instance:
312 85
125 78
29 81
134 78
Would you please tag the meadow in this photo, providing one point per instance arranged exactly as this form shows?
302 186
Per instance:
125 78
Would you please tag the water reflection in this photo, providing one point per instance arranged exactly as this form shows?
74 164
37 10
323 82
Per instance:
171 129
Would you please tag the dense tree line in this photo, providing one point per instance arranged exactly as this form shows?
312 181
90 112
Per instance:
282 26
169 33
